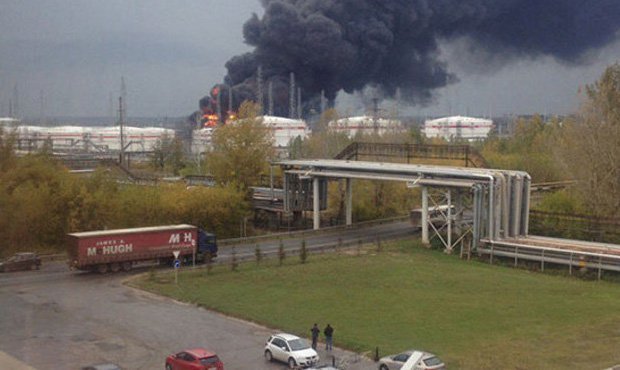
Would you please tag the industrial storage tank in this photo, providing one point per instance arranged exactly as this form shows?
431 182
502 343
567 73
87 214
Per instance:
353 126
93 139
458 127
285 129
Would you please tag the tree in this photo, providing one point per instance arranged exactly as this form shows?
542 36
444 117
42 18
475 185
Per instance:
7 153
168 155
241 150
590 148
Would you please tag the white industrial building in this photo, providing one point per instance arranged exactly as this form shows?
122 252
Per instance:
458 127
353 126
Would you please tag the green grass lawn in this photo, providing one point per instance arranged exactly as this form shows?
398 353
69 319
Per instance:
473 315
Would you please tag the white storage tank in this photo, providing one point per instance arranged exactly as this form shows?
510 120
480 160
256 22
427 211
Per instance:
458 127
352 126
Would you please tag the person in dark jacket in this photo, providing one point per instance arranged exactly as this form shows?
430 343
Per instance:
315 335
329 337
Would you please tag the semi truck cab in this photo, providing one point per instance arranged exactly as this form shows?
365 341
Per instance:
207 244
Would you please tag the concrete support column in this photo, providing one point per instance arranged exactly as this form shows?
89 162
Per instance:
315 203
349 202
424 220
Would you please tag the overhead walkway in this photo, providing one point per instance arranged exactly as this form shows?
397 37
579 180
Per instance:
468 155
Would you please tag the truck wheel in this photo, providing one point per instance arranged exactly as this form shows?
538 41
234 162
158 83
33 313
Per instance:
168 367
102 268
127 266
115 267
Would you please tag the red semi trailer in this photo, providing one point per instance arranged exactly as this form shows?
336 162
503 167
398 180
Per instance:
115 250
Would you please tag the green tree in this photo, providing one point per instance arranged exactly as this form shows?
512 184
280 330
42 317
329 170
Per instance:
241 150
590 148
7 150
168 155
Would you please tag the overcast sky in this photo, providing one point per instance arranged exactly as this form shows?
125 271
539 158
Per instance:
66 58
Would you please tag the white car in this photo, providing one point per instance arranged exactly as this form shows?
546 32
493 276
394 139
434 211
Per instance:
290 349
411 360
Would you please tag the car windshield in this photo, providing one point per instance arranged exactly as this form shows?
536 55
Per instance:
209 360
298 344
432 361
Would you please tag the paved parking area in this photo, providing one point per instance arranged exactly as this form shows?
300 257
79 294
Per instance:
53 319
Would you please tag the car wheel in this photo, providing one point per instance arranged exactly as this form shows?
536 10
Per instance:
268 355
168 367
291 363
383 367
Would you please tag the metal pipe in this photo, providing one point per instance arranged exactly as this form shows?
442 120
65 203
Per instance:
424 220
315 203
526 205
349 202
476 226
516 206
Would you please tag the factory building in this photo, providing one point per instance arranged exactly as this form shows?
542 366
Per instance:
458 127
353 126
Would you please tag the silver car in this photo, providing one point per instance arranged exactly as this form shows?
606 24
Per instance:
428 361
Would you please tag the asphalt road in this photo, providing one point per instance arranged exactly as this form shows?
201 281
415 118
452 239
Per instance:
57 319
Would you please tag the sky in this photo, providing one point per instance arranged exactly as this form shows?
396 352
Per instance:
67 57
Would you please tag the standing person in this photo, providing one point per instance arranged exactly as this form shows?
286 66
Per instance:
315 335
329 337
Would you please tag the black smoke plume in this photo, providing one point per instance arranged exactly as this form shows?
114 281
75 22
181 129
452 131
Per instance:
334 45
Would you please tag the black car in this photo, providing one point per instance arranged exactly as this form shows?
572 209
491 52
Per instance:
21 262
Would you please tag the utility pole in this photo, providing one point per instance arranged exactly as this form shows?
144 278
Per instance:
375 114
230 97
15 102
121 114
270 93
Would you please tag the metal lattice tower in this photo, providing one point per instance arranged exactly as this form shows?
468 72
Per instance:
219 105
270 97
259 87
291 95
299 103
124 94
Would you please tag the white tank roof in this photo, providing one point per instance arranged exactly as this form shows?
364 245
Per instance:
364 121
459 119
282 121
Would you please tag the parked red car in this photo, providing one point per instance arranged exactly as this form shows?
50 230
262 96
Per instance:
194 359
